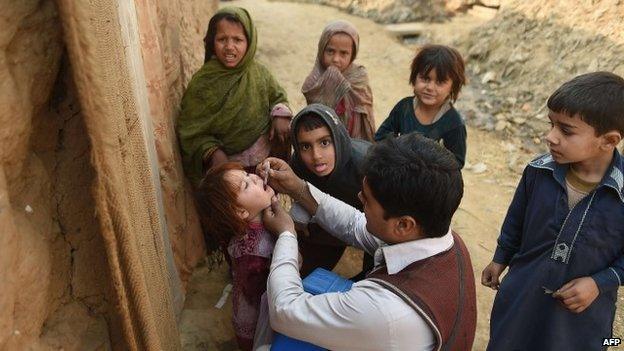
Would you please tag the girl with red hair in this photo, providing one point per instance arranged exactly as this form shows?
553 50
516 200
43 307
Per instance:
231 202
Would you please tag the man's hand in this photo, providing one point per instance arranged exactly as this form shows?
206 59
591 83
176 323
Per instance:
281 177
491 274
280 127
276 220
578 294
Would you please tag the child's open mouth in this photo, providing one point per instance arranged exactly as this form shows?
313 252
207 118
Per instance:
320 168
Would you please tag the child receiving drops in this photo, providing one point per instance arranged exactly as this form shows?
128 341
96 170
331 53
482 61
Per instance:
437 76
337 82
231 202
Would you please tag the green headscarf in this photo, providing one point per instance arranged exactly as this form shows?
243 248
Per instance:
226 108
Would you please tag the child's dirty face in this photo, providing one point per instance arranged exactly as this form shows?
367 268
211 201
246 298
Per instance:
317 150
338 51
572 140
430 91
251 195
230 43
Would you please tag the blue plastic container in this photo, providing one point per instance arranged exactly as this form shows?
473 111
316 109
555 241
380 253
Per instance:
320 281
282 342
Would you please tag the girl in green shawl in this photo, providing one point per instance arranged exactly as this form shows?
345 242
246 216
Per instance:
233 109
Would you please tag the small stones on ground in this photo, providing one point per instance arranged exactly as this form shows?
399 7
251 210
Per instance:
478 168
28 209
500 125
512 164
509 147
519 120
489 77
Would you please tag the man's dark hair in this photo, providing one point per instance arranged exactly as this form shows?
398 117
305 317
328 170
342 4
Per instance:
447 62
414 176
597 98
309 122
211 33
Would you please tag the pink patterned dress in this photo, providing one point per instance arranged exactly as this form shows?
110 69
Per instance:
251 260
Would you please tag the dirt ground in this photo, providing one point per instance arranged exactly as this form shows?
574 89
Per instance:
288 35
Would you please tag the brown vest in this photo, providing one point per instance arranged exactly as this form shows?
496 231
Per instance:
441 289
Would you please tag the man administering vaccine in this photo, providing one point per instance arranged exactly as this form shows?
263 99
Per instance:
421 293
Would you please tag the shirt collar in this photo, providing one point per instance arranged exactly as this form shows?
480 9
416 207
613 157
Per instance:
399 256
614 177
443 109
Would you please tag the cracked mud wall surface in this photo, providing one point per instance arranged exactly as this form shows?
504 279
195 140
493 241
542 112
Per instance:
55 292
60 139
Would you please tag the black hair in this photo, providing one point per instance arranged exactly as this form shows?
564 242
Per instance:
597 98
447 62
309 122
414 176
211 33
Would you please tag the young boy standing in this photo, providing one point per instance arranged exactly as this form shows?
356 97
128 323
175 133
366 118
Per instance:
563 236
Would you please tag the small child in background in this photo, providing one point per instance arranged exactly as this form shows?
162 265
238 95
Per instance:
231 202
336 81
563 236
437 76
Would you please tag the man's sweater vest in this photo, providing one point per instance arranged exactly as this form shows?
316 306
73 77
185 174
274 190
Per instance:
441 289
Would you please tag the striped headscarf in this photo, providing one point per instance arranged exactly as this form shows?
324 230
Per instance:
328 86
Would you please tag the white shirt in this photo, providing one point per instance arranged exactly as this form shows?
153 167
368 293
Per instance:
367 317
